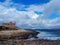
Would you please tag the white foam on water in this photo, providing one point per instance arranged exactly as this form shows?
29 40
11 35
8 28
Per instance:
46 35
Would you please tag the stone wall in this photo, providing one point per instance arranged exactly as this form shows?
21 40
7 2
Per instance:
10 25
29 42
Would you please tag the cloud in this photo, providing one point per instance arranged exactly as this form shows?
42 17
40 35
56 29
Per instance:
26 16
52 7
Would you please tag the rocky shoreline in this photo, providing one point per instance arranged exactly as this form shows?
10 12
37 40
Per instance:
29 42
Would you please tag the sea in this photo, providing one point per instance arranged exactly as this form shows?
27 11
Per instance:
48 34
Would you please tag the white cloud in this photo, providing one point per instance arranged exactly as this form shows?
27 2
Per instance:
38 8
1 19
29 17
52 7
32 15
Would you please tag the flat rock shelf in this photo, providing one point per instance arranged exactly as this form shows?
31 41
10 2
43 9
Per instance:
29 42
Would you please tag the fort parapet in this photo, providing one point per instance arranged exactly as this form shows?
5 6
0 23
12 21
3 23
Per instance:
10 25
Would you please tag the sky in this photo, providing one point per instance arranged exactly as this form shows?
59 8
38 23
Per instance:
31 14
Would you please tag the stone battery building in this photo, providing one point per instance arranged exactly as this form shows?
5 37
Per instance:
10 25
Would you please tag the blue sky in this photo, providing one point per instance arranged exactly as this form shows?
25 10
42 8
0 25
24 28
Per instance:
29 2
30 14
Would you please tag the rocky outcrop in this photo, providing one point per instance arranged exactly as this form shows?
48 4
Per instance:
9 31
22 34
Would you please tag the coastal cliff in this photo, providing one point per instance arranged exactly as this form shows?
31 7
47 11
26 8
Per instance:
10 31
